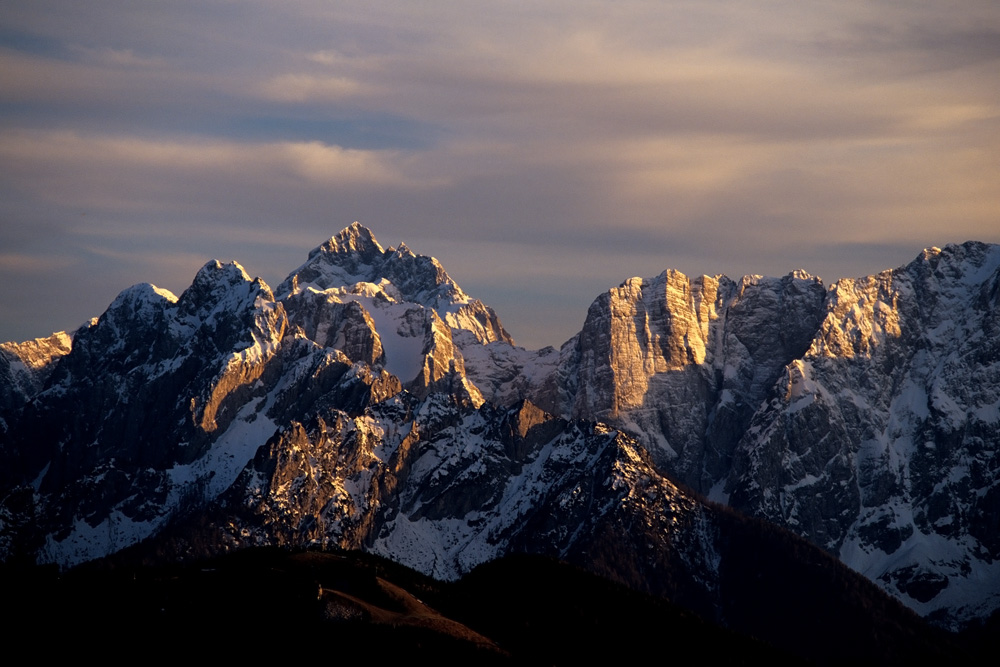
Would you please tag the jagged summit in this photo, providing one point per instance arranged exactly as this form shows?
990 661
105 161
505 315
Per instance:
355 256
402 250
955 260
355 265
355 240
351 256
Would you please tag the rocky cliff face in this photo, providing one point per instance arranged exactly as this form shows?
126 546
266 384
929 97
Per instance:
863 417
25 368
147 390
370 403
444 486
880 442
684 363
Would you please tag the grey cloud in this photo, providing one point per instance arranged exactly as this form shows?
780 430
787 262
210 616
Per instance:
549 150
884 49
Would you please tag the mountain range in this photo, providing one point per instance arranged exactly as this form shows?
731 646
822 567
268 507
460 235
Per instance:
368 403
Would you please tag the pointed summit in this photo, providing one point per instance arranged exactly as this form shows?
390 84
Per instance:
215 285
354 256
354 239
351 256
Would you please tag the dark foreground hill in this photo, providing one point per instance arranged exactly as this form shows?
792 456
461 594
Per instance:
517 610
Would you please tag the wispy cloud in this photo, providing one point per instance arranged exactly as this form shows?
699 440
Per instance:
600 140
23 264
43 159
310 88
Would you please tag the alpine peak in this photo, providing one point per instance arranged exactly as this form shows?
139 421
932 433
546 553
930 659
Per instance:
354 256
353 239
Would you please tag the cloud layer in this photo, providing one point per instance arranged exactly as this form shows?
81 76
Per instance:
543 153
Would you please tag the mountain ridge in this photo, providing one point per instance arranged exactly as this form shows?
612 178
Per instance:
377 351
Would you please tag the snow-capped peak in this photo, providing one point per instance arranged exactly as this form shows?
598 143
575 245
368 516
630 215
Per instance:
354 239
355 256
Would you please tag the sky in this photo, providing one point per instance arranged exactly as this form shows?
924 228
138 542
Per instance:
544 152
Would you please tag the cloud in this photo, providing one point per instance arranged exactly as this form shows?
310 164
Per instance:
60 162
308 87
119 58
24 264
527 141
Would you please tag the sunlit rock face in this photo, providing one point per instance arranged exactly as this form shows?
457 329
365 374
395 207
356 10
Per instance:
863 417
25 368
881 442
369 403
440 485
684 363
443 486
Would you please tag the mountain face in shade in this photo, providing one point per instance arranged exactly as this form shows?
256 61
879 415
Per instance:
369 403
